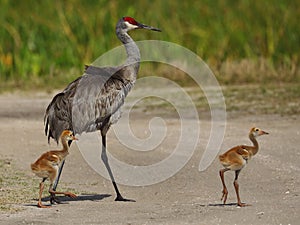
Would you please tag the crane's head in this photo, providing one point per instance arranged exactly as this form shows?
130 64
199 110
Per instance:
128 23
257 132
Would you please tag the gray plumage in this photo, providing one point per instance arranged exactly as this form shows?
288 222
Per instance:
92 102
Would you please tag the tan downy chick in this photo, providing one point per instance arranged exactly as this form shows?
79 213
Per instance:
47 166
236 158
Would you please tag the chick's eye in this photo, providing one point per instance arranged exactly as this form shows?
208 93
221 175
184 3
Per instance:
256 129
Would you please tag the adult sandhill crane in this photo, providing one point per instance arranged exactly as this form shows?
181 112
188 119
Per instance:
48 164
92 102
235 159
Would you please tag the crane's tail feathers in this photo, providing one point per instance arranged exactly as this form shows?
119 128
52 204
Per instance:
46 123
56 117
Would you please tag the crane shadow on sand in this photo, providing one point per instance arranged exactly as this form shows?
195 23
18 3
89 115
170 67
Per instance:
82 197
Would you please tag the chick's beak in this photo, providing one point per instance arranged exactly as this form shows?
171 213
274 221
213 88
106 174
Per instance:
263 132
75 138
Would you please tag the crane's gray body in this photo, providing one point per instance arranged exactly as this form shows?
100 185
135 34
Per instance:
92 102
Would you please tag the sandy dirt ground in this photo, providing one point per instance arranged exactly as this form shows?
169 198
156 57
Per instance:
270 182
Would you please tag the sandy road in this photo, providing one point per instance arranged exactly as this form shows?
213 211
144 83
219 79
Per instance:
270 182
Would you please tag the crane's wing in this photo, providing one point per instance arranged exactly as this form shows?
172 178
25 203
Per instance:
97 98
87 101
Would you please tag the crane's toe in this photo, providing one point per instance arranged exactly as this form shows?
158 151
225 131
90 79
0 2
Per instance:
53 200
71 195
121 199
40 205
242 204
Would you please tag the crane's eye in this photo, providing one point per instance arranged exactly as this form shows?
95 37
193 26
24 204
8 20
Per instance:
256 129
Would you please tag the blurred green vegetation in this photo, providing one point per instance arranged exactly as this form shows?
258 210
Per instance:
243 41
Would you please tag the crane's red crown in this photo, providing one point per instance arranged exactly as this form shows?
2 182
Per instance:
130 20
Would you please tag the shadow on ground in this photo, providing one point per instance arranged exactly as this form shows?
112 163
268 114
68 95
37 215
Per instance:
223 205
83 197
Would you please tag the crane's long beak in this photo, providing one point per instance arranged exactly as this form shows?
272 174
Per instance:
143 26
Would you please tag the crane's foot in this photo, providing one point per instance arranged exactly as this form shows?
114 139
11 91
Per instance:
121 199
53 200
71 195
242 204
40 205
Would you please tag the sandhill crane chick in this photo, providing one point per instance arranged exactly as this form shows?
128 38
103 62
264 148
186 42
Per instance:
235 159
47 166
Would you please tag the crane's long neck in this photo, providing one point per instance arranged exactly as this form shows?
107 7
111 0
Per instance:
254 149
133 53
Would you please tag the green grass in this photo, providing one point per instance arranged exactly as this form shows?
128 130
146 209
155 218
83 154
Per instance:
48 42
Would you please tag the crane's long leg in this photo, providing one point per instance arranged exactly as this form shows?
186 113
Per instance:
58 176
52 198
225 191
105 161
236 187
